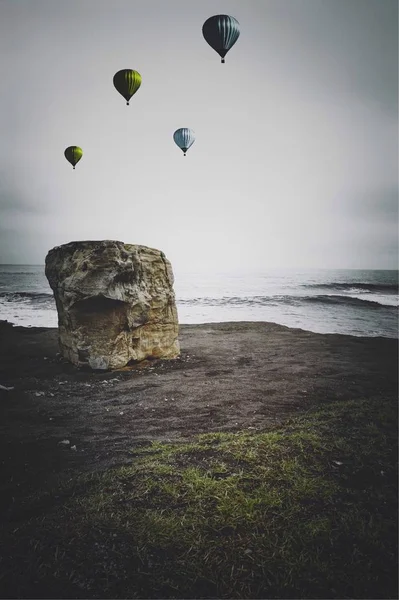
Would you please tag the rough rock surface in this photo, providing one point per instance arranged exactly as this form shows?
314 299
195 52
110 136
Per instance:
115 303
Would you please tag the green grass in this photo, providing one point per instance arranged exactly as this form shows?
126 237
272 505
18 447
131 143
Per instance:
266 515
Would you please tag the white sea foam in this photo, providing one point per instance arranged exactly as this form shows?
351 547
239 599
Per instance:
23 313
384 299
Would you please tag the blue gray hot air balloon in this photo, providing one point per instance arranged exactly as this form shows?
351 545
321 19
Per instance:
184 138
221 32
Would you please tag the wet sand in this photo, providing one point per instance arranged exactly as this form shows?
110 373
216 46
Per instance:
230 377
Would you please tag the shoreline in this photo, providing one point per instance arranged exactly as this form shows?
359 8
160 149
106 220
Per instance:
229 376
6 323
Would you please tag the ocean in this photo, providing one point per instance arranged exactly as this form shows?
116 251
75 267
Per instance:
352 302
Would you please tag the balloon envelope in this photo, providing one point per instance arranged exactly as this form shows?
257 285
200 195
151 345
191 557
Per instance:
221 32
184 138
73 154
127 82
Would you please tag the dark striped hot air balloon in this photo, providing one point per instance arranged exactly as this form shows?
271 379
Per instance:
127 82
73 154
184 138
221 32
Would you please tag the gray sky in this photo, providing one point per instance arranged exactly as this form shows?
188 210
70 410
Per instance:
295 158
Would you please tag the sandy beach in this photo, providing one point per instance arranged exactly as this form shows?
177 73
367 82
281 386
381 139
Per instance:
230 377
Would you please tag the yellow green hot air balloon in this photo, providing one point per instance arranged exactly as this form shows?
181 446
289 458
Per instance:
73 154
127 82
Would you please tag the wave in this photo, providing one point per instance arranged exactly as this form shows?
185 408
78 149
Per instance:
230 301
244 301
356 287
26 296
346 300
16 273
288 300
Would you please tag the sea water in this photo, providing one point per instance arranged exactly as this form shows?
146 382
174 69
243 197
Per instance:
352 302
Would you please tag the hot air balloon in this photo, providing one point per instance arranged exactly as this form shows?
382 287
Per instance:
127 82
184 138
73 154
221 32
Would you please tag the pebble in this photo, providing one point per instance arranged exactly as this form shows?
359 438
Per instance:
5 388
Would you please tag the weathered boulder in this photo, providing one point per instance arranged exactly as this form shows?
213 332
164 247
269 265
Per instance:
115 303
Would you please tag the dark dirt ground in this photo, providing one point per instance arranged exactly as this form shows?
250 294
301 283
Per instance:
230 377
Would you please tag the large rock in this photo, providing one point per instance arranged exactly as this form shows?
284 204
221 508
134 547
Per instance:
115 303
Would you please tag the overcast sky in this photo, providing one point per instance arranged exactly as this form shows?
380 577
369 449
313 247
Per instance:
295 158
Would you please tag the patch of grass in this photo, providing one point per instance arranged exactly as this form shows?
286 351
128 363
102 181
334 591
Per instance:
308 510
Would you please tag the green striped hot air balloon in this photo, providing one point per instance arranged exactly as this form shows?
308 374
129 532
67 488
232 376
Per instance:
73 154
127 82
